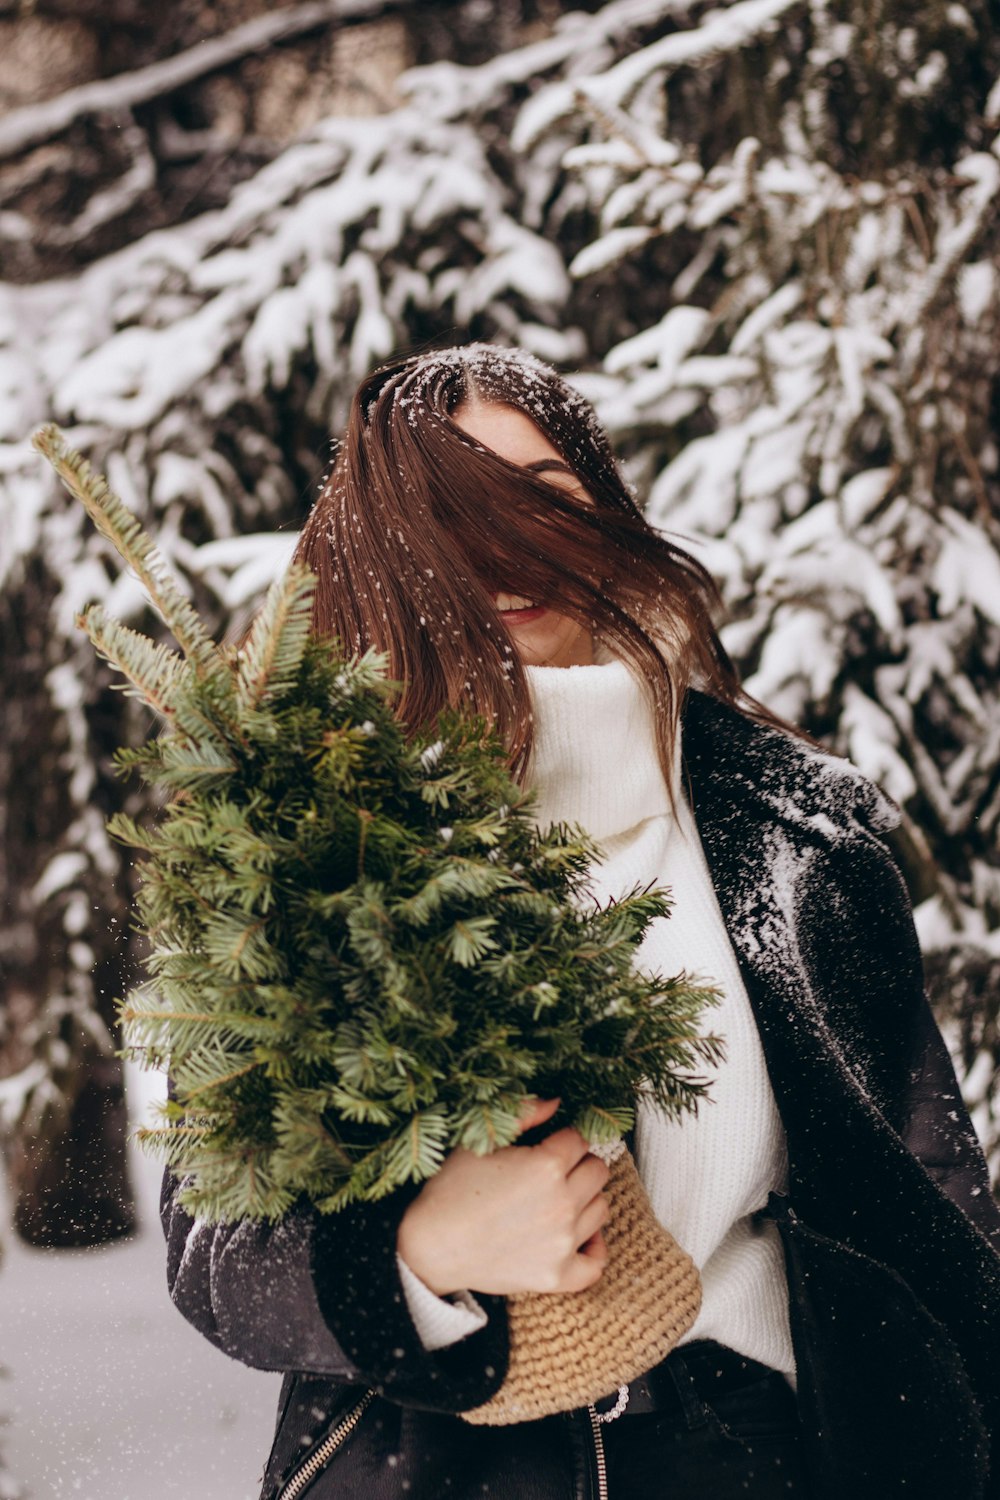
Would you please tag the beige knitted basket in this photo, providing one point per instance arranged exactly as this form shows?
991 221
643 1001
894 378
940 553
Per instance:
568 1350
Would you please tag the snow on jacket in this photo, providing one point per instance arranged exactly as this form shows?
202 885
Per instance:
891 1235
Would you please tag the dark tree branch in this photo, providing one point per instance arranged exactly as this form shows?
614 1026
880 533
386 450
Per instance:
39 122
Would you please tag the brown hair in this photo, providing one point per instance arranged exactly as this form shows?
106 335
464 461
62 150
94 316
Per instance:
418 525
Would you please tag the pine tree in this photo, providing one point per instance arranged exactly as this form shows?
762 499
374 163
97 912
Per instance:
362 951
801 204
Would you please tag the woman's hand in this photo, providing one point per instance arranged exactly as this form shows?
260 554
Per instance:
523 1219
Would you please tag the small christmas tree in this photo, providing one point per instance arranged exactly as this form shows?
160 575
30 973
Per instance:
362 952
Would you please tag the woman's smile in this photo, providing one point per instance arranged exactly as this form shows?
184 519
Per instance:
516 609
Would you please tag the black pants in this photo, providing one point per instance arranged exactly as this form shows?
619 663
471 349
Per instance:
725 1428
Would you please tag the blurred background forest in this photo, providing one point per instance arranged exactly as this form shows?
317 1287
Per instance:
763 235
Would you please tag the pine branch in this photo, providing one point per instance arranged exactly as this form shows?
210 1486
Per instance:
123 529
154 670
274 649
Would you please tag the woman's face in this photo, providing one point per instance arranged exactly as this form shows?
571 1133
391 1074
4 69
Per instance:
541 637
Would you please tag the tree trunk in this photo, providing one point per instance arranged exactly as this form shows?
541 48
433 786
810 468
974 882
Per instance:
62 966
73 1188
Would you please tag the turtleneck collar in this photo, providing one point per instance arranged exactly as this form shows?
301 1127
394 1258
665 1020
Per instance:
595 759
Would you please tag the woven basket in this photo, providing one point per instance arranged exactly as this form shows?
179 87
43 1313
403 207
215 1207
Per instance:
569 1349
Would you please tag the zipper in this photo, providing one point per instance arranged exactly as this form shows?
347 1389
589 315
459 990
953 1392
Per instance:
602 1467
321 1456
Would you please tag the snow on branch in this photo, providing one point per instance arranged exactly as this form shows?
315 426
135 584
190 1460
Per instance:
581 43
721 31
16 1091
725 30
975 206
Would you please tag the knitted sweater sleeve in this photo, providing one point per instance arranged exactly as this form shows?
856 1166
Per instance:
440 1321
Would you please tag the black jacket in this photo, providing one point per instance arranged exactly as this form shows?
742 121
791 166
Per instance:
891 1235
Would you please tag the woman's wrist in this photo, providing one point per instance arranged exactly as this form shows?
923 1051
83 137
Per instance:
412 1250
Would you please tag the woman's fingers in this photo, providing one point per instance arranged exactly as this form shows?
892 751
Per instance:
588 1178
595 1248
506 1223
587 1265
524 1218
587 1173
591 1221
536 1112
567 1147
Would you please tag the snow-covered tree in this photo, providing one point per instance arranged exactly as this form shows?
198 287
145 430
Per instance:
810 396
765 233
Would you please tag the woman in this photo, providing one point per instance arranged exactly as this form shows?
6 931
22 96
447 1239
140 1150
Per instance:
832 1193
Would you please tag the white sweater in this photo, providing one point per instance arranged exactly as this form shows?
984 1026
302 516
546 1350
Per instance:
595 763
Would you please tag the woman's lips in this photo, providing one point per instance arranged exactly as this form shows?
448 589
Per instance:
518 616
524 609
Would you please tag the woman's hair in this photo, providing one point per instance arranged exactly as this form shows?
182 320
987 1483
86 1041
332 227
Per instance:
418 525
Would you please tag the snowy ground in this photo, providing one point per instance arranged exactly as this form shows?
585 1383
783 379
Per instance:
111 1395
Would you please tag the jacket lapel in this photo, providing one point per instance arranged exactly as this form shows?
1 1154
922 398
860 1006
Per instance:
775 816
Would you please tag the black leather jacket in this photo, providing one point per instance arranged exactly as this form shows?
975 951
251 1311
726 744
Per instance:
891 1235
